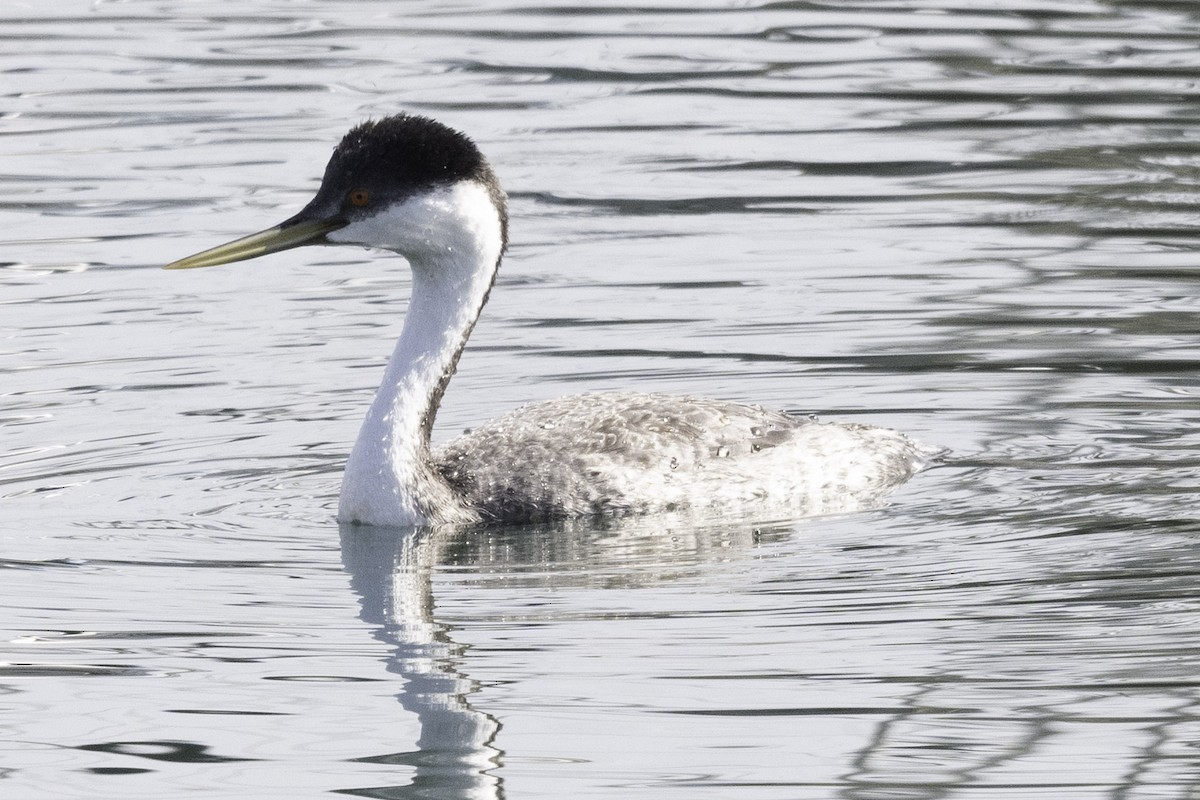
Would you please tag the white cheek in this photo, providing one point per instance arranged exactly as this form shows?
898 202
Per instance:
459 218
378 230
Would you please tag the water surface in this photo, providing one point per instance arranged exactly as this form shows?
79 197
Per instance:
972 222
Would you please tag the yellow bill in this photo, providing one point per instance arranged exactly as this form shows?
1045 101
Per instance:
272 240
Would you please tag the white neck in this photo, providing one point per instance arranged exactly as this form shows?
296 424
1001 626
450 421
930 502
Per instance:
452 240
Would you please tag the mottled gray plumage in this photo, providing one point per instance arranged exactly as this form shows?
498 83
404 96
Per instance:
627 452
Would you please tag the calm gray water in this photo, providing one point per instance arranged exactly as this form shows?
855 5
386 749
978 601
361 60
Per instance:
975 222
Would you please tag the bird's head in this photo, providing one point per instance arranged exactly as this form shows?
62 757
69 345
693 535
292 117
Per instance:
404 183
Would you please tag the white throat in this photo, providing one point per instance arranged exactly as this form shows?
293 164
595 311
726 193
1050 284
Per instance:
453 241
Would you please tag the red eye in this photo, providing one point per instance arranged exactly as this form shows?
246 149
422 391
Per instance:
359 197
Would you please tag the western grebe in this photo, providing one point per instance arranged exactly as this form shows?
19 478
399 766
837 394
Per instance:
416 187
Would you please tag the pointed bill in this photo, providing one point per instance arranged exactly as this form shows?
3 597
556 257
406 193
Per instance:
272 240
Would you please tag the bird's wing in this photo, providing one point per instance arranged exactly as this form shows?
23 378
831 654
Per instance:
632 452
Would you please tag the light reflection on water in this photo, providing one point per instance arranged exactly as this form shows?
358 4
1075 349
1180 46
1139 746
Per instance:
972 225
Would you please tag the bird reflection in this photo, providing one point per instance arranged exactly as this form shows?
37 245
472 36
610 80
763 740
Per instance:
455 756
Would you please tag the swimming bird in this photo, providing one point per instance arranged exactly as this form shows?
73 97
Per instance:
414 186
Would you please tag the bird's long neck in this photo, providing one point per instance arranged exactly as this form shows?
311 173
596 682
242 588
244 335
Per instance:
390 478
